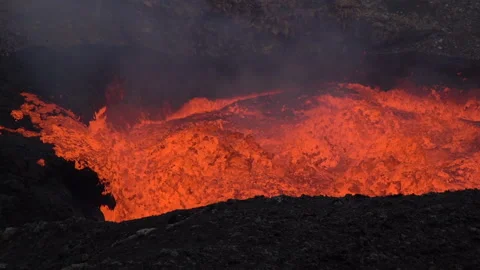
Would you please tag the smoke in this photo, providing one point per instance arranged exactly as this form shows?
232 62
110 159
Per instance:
176 50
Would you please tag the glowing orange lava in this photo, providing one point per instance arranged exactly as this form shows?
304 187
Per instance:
41 162
346 139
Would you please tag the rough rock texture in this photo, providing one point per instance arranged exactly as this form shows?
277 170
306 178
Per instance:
226 27
437 231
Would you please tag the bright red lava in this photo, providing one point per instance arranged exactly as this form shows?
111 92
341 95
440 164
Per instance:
347 139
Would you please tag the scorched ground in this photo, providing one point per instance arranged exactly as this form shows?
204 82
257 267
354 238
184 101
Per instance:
339 140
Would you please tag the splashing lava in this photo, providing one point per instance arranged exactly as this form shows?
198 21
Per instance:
349 139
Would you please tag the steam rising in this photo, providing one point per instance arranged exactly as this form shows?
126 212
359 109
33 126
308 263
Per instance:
175 50
223 47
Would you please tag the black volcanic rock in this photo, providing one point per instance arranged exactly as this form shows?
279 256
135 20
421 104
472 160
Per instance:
434 231
32 192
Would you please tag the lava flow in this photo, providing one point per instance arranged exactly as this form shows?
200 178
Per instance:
347 139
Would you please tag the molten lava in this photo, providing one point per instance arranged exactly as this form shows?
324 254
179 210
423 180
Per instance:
349 139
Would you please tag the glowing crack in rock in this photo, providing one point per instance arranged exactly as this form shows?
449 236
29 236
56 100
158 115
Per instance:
349 139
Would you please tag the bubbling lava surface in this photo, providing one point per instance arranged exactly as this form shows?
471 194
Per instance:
345 139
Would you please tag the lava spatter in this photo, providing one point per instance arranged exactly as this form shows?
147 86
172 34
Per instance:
350 139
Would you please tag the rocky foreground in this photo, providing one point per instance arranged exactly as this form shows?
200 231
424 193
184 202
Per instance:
435 231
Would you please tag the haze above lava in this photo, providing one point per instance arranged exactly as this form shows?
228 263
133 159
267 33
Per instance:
342 139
